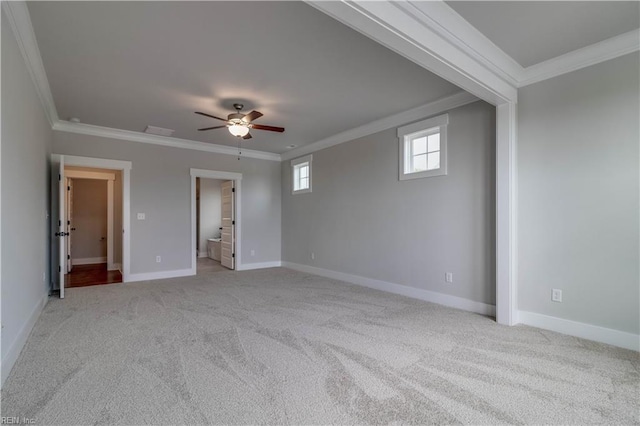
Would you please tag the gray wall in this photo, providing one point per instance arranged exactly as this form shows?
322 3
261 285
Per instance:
26 144
360 219
578 195
210 211
89 219
161 188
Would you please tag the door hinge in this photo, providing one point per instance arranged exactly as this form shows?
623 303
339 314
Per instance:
59 223
68 222
68 188
59 270
68 256
233 190
59 177
233 255
233 222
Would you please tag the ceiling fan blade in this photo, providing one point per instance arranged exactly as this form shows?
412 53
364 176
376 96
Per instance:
211 128
247 136
211 116
269 128
251 116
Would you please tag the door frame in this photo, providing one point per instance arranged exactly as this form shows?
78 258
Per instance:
110 178
215 174
125 167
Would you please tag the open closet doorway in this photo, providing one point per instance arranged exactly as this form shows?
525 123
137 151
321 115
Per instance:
93 249
209 225
215 210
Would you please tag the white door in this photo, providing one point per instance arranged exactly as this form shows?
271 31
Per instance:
70 227
227 252
58 223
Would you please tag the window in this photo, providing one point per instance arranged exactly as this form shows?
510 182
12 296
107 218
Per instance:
423 148
301 174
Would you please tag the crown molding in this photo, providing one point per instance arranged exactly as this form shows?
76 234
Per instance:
458 31
590 55
412 29
128 135
421 112
20 23
436 37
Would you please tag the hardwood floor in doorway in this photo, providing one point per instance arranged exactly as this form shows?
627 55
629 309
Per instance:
86 275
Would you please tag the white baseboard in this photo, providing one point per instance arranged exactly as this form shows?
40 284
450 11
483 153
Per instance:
160 275
88 260
263 265
115 267
609 336
203 254
16 347
415 293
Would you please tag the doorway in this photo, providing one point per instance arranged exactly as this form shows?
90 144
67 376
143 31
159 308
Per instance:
93 248
209 225
215 207
61 227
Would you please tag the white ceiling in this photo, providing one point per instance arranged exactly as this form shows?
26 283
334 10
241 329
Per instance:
534 31
127 65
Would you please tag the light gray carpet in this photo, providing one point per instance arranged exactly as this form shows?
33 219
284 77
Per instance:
281 347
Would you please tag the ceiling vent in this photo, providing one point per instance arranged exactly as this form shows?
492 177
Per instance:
153 130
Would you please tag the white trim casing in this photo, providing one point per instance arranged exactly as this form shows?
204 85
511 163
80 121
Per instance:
294 163
403 290
128 135
213 174
457 30
582 330
411 29
125 167
406 134
506 215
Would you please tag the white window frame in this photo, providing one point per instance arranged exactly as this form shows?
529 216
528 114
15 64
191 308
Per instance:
406 134
307 159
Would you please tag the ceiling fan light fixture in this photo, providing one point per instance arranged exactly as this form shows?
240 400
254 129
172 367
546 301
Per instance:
238 130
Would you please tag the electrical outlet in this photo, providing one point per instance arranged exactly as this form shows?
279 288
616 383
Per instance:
448 277
313 256
556 295
253 252
141 216
158 259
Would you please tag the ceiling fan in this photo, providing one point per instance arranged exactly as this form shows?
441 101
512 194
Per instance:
239 123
